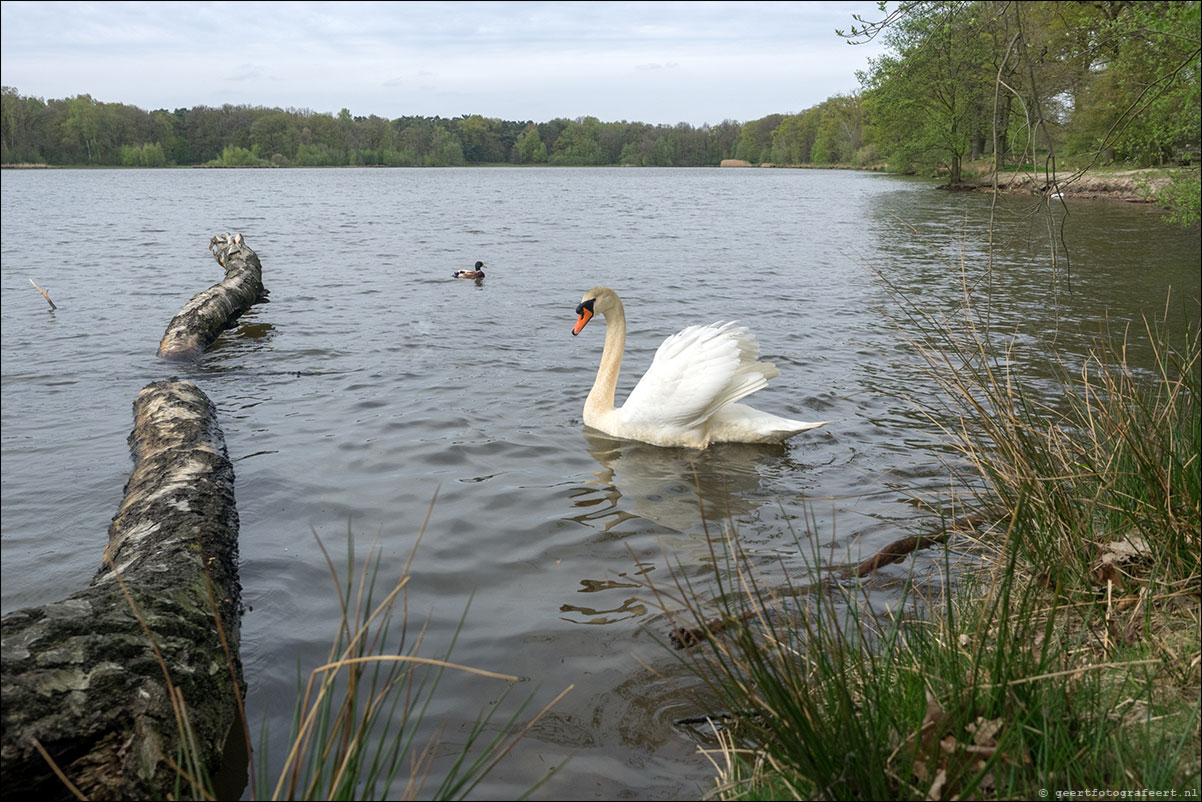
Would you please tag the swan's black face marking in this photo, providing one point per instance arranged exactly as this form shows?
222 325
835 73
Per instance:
585 311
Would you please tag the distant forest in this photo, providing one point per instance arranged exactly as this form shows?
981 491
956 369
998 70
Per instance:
83 131
1014 83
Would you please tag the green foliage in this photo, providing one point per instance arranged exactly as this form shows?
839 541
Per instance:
928 96
18 119
82 131
579 143
234 156
529 147
147 155
1182 197
1027 81
274 134
445 150
481 140
793 139
755 140
1139 91
829 133
313 155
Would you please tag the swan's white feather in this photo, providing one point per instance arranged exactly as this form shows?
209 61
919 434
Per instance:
696 372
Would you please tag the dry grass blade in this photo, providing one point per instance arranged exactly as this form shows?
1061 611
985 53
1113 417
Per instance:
57 771
359 712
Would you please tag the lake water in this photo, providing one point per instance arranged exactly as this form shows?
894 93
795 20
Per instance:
373 381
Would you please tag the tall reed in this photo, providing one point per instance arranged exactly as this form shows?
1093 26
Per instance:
1069 661
355 732
1113 456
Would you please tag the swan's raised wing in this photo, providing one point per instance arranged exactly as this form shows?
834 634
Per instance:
695 373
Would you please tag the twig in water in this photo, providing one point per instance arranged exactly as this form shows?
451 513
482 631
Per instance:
44 295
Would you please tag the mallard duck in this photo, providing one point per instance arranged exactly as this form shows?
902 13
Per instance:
478 272
687 397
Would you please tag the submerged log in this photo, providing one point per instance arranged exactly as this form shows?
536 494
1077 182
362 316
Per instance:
686 637
82 677
216 309
897 551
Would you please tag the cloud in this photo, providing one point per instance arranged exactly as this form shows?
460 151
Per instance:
527 60
247 72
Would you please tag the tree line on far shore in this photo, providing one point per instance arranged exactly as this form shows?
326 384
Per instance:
82 131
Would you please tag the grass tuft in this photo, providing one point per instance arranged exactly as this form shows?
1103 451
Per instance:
1069 660
356 723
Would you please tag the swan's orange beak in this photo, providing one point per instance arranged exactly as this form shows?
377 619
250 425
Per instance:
586 315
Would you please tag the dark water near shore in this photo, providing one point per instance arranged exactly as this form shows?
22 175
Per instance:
373 381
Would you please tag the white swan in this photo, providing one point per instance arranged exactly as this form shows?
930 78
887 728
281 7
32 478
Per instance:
687 397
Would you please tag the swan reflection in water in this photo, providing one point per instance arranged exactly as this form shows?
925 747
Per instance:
683 490
676 488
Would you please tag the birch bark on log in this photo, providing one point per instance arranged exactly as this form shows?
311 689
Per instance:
81 676
202 319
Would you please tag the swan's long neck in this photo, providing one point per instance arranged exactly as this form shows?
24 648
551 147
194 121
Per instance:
601 397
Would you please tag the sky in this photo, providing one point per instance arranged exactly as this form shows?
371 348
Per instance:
653 62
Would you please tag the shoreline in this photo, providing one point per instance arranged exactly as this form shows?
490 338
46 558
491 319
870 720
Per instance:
1136 185
1130 186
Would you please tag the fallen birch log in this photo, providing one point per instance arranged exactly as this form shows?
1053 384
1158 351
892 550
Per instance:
201 321
101 687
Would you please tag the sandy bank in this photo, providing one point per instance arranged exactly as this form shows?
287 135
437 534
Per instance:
1134 186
